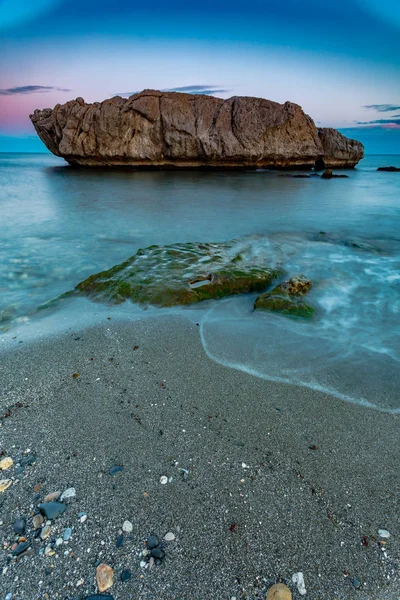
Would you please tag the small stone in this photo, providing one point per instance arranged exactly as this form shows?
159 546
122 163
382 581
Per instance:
152 542
6 463
52 510
67 534
9 596
383 533
355 582
5 484
125 575
127 527
157 553
100 597
69 493
82 517
52 496
27 460
104 577
169 537
115 469
20 548
120 541
37 521
298 579
48 551
20 526
59 541
163 479
45 532
279 591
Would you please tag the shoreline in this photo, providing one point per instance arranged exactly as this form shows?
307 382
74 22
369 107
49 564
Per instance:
319 474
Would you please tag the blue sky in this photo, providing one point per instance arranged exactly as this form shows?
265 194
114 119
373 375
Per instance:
340 60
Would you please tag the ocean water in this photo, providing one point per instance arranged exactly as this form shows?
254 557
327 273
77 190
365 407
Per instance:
59 225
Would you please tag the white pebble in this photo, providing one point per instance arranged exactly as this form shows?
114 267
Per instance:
163 480
383 533
59 541
69 493
83 518
127 526
143 564
80 582
169 537
298 579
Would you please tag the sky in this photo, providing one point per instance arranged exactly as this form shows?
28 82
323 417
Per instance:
338 59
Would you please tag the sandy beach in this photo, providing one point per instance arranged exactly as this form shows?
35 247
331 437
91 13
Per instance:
264 479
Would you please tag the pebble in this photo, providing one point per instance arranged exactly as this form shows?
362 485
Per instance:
298 579
279 591
157 553
104 577
125 575
120 541
99 597
52 510
114 470
45 532
383 533
37 521
21 547
5 484
169 537
59 541
9 596
355 583
20 526
52 496
82 517
6 463
67 534
127 526
48 551
27 460
69 493
152 542
163 479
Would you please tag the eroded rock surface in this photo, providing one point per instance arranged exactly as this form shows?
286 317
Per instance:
169 129
286 298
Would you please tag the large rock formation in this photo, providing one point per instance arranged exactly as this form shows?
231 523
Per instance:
169 129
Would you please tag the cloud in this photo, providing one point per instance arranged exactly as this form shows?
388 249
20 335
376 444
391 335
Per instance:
394 121
208 90
30 89
382 107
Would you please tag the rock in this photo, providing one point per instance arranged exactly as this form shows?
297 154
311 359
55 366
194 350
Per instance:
114 470
169 129
45 532
37 521
389 169
286 298
355 583
67 534
127 526
20 526
6 463
28 460
21 547
104 577
68 494
5 484
52 510
52 496
181 274
338 150
383 533
329 175
152 542
169 537
298 579
157 553
163 479
279 591
99 597
125 575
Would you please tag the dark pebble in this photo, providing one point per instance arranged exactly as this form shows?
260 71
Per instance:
355 583
20 526
114 470
120 541
21 548
125 575
152 542
157 553
27 460
52 510
99 597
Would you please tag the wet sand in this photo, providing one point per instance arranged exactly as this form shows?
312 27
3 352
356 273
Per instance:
278 479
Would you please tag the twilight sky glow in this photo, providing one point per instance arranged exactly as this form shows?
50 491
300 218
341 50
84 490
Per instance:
338 59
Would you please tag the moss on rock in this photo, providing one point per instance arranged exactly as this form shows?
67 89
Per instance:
286 298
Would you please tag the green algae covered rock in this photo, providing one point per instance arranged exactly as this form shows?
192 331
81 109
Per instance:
183 274
286 298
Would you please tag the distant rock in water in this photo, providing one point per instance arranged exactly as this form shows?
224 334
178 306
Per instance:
328 174
169 129
182 274
389 169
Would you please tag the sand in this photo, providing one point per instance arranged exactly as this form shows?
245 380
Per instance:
279 479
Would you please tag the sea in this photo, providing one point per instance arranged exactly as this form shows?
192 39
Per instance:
58 225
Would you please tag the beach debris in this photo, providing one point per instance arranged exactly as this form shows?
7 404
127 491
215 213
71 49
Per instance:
279 591
68 494
52 510
52 496
127 527
6 463
75 375
115 469
163 479
355 583
298 579
125 575
169 537
20 526
365 541
152 542
383 533
104 577
5 484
